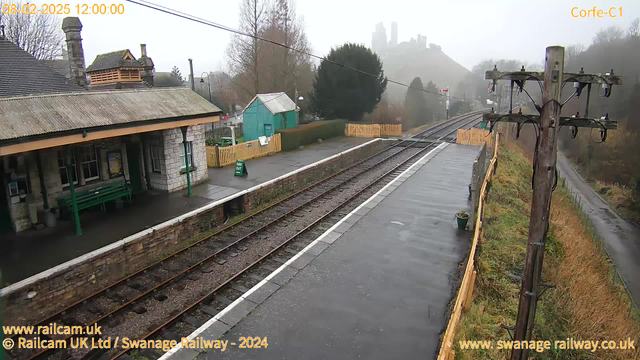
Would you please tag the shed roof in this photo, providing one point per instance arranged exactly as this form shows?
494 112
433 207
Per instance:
114 60
22 74
37 115
275 102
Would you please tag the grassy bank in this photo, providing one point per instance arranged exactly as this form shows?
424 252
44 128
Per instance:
621 198
585 305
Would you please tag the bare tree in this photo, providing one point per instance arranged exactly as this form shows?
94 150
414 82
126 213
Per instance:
243 52
572 52
633 31
286 68
38 34
607 35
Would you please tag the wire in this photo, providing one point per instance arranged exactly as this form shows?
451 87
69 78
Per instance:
174 12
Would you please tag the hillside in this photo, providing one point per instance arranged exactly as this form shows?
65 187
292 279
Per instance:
407 60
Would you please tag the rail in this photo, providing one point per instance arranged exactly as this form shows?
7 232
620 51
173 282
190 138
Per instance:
459 121
206 297
465 292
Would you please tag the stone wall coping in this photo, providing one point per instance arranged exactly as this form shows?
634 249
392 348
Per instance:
121 243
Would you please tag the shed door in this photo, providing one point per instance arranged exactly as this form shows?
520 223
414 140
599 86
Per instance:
268 130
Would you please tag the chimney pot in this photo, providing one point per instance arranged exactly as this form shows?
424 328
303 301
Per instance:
143 50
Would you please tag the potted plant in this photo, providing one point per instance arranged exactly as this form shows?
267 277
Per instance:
462 218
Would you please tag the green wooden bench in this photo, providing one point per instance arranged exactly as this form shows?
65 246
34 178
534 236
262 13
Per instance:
95 196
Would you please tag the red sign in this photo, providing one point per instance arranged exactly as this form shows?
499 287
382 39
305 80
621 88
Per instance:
444 90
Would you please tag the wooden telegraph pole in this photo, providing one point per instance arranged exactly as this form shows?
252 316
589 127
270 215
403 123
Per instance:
544 176
543 181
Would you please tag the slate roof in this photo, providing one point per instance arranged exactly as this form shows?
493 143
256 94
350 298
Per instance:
113 60
44 114
21 74
60 66
275 102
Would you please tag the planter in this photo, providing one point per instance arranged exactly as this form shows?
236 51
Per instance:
462 221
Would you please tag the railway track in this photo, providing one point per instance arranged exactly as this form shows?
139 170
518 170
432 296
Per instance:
173 296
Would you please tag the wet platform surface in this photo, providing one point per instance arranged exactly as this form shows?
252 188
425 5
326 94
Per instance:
271 166
375 286
30 252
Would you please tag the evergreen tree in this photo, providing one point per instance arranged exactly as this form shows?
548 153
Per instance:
415 104
175 72
344 93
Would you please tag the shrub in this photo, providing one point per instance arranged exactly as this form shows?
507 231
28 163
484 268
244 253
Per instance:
310 133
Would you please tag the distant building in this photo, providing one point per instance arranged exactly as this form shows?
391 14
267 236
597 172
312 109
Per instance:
120 69
379 39
422 41
394 34
267 113
55 133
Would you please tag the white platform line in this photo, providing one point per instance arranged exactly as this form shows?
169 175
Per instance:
229 307
120 243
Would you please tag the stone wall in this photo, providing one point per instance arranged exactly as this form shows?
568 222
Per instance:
305 178
78 278
174 163
83 276
52 181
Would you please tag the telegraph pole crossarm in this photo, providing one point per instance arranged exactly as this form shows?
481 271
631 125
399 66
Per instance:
548 123
564 120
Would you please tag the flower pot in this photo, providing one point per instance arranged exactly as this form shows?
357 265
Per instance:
462 221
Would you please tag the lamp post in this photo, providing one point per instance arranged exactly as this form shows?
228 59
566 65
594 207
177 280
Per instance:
208 82
298 98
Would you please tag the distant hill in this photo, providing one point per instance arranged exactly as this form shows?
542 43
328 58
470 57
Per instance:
407 60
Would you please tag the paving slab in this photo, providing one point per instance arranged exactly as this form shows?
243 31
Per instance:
270 167
263 292
382 291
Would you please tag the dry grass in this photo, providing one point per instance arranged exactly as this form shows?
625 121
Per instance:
599 309
619 197
585 305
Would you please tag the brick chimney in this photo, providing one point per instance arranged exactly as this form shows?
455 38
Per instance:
72 28
147 73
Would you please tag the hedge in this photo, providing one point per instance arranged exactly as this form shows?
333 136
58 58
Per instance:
310 133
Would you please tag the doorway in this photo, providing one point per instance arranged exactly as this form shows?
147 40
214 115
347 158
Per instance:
135 175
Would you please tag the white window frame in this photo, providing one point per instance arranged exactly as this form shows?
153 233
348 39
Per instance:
189 152
92 149
75 167
157 156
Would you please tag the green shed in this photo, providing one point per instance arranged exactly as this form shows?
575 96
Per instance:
267 113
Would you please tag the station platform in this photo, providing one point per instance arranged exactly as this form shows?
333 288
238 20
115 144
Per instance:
376 285
33 251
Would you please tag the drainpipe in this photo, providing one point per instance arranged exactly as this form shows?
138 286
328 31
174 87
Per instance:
186 158
43 188
72 192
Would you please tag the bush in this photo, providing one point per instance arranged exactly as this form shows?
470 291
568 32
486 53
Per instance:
310 133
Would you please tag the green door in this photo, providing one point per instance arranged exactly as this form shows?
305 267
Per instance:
5 215
135 175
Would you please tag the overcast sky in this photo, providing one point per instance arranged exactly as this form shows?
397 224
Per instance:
468 31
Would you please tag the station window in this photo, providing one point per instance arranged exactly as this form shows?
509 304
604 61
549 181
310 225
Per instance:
62 169
90 163
189 153
156 158
19 185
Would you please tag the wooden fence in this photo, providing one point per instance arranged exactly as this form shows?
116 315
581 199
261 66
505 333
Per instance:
372 130
474 136
247 150
464 296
